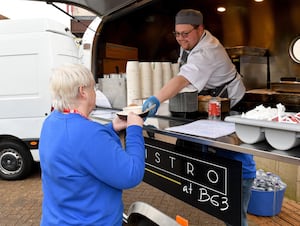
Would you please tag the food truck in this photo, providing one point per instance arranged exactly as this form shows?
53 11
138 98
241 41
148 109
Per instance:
263 46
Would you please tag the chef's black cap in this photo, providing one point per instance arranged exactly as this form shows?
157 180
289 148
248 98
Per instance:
189 16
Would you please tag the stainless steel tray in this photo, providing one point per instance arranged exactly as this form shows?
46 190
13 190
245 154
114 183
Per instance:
246 50
286 87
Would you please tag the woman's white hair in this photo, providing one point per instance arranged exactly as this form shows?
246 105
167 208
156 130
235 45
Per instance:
65 82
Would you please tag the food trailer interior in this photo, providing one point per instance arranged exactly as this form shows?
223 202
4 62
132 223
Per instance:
257 36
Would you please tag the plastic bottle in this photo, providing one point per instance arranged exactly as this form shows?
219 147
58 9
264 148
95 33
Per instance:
214 108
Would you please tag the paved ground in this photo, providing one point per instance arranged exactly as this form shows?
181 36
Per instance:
20 204
20 201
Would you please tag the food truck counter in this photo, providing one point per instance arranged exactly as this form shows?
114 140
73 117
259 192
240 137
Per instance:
183 164
156 128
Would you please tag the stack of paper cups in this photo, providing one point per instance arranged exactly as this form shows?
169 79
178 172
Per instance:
133 81
146 79
175 69
157 77
167 72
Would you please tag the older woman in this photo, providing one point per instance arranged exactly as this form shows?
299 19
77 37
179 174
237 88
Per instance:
84 166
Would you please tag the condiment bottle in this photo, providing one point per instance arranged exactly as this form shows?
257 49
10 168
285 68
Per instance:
214 108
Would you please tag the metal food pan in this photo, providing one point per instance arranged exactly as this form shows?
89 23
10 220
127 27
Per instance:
246 50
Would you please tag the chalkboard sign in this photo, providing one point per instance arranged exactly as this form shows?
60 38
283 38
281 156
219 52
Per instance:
203 180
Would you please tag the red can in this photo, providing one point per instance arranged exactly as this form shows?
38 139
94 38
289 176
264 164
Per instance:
214 109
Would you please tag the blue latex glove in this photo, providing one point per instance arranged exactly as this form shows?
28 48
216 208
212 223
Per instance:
150 102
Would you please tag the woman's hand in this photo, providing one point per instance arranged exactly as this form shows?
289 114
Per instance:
132 119
119 124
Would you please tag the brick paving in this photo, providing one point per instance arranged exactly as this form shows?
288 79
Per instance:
20 204
289 216
20 201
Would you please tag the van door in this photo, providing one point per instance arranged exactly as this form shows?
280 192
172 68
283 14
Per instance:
105 10
102 7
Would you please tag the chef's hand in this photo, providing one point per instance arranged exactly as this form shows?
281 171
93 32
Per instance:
149 103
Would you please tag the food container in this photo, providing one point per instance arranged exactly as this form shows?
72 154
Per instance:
282 139
246 50
280 135
249 134
286 87
134 109
184 102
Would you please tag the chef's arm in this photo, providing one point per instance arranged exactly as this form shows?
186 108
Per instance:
169 90
172 87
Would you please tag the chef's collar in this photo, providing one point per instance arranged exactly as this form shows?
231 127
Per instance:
203 35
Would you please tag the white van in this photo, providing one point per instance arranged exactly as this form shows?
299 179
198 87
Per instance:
30 48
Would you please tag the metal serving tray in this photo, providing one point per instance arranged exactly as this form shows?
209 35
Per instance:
280 135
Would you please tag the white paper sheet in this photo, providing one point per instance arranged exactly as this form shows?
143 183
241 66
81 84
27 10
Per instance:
205 128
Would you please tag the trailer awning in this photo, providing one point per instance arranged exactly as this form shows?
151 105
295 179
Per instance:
100 7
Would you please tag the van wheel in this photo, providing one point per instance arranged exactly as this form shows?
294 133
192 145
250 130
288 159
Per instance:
15 160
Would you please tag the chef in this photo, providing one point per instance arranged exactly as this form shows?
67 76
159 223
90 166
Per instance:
204 64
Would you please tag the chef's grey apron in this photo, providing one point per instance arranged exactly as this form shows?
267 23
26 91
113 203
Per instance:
220 91
183 58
